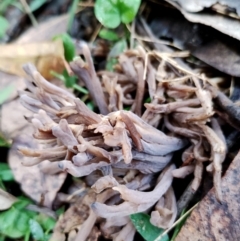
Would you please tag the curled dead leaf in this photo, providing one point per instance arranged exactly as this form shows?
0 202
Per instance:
46 56
6 200
41 187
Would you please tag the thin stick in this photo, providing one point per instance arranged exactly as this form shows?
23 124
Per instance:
86 4
177 222
132 34
175 64
29 13
72 12
185 198
95 33
76 193
146 39
145 67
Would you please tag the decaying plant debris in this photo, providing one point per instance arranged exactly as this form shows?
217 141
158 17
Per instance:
132 149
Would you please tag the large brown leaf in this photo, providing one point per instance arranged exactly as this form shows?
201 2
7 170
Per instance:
45 30
46 56
216 221
41 187
12 118
207 44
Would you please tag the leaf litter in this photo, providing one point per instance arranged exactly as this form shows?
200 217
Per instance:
80 142
125 158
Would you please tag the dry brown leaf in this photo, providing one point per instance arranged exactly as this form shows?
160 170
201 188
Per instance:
71 219
212 220
12 118
225 25
15 81
46 56
222 23
45 30
196 6
41 187
6 200
209 46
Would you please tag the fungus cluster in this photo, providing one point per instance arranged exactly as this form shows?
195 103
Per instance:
126 156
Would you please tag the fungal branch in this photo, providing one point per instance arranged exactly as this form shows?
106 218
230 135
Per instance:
132 150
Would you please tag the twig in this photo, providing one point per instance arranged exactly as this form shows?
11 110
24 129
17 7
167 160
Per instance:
72 12
29 13
146 39
86 4
43 210
132 34
76 193
185 198
95 33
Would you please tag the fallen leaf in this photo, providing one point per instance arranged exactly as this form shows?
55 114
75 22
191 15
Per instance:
11 80
207 44
6 200
46 56
196 6
70 220
12 118
212 220
41 187
226 25
45 30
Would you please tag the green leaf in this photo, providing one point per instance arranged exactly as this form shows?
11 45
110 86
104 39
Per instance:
141 221
5 172
110 64
4 5
180 224
3 26
13 223
60 211
3 142
72 12
68 45
128 9
4 94
46 222
118 48
36 4
22 203
2 237
111 13
108 35
36 230
90 105
22 223
69 81
6 175
107 13
148 100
